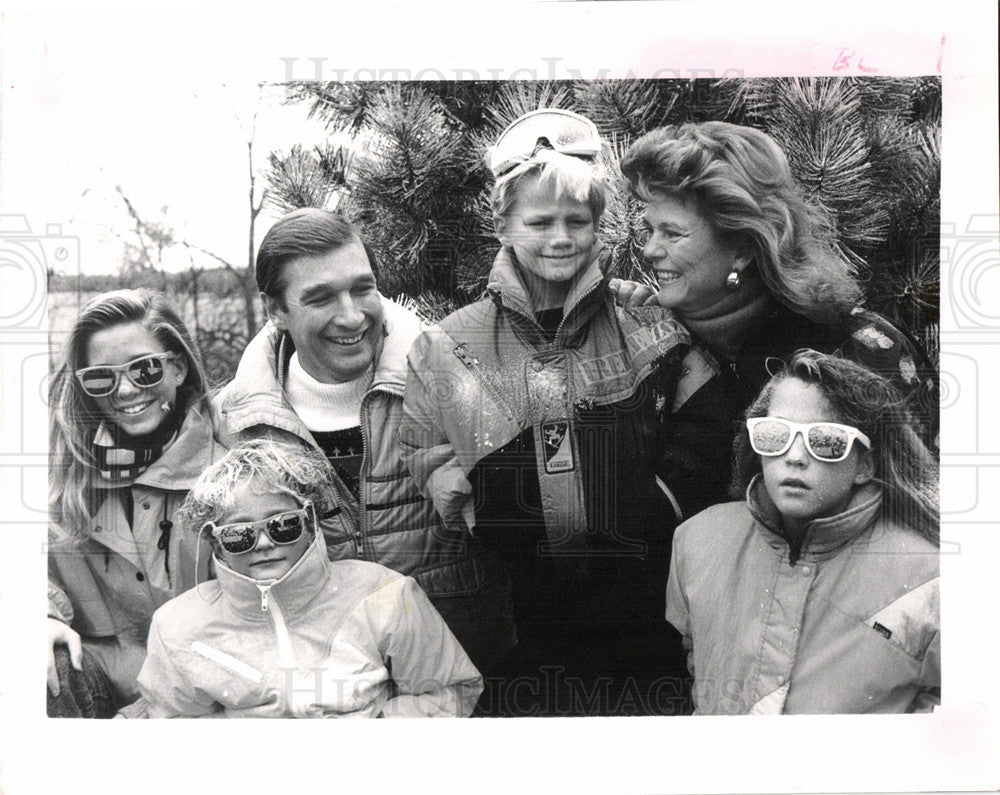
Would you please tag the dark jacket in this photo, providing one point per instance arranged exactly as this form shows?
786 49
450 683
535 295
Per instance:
697 450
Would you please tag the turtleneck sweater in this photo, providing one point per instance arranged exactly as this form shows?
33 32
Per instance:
325 407
728 324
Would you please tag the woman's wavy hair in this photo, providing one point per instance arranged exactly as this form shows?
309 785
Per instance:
273 467
904 466
73 415
740 180
578 178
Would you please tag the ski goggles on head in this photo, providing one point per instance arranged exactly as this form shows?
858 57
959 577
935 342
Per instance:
825 441
560 130
282 528
144 372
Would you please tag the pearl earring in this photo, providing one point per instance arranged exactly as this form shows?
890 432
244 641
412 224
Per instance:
733 280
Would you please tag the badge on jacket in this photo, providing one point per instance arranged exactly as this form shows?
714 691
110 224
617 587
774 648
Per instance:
558 446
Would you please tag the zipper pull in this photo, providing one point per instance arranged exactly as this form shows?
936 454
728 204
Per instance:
466 358
359 539
264 591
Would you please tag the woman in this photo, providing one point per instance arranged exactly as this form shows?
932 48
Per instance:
130 431
284 632
752 271
531 420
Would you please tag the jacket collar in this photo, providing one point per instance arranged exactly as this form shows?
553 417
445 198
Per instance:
822 538
293 592
256 396
184 460
584 299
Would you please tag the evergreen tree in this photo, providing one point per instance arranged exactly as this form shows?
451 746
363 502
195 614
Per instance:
866 149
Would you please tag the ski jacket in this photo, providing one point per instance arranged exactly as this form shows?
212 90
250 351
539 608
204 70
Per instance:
392 524
487 373
106 580
328 639
849 626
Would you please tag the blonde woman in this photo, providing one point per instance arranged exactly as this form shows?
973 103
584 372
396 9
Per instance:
130 431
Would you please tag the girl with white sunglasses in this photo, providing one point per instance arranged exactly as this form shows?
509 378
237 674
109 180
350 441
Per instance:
819 592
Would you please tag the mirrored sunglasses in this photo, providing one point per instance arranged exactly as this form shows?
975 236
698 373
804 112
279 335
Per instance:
282 528
560 130
144 372
825 441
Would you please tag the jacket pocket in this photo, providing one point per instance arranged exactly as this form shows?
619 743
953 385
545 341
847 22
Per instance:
462 577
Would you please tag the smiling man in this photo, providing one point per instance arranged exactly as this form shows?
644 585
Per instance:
329 370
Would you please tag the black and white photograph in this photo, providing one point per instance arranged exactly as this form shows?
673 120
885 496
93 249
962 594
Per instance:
610 375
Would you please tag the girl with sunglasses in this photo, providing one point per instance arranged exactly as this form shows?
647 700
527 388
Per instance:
284 632
130 431
819 593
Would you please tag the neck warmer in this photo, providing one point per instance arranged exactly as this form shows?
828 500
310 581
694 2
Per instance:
732 321
122 458
325 407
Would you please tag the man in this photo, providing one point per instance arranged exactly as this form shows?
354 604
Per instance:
329 370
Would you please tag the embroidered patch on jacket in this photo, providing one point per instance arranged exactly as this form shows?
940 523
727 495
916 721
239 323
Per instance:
558 446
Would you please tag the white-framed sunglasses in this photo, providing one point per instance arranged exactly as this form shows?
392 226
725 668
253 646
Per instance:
560 130
825 441
283 528
142 373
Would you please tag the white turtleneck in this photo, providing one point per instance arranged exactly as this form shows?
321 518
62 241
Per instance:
325 407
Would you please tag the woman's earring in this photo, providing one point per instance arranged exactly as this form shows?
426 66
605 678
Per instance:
733 280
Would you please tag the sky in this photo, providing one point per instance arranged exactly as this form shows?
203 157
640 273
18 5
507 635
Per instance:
169 135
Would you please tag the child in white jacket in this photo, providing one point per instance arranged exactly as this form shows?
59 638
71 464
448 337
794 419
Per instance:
284 632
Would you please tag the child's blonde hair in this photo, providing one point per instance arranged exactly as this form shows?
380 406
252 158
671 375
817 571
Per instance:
274 468
567 175
903 465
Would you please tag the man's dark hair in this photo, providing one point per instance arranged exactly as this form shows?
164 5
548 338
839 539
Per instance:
302 233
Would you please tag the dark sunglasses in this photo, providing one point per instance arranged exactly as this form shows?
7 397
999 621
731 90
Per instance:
282 528
144 372
825 441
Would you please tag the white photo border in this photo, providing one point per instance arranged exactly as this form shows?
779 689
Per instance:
954 748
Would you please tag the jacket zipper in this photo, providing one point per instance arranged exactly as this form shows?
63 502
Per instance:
361 531
579 301
286 654
471 363
265 591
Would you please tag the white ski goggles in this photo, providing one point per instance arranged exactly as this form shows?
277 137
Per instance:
551 128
